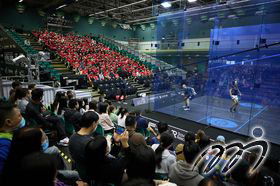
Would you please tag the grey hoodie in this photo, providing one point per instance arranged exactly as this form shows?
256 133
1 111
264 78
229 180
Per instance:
182 174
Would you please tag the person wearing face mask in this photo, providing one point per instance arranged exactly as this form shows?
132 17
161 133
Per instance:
79 140
10 120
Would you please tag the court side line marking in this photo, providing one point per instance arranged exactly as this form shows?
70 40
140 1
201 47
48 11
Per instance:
218 108
202 119
250 119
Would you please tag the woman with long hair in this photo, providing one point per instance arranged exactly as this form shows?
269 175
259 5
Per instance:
123 112
164 159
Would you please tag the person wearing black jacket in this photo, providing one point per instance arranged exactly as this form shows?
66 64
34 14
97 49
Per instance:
123 88
72 115
35 112
101 167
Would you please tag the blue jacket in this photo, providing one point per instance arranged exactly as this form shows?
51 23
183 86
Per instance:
5 143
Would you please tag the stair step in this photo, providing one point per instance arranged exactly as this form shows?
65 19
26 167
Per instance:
59 65
66 73
144 90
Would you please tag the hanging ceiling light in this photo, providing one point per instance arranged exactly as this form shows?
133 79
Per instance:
192 1
166 4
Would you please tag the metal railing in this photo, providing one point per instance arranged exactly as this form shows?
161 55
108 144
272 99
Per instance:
161 64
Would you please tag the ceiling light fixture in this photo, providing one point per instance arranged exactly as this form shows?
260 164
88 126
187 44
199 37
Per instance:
61 6
117 8
20 1
192 1
166 4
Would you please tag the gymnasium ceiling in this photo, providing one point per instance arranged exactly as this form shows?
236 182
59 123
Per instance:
143 11
130 10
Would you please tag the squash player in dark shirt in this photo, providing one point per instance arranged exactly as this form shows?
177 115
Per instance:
188 93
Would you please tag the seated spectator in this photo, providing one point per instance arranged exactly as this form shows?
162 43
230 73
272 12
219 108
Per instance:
142 164
182 172
210 182
162 127
24 142
112 114
204 142
72 116
35 113
199 135
138 182
82 106
189 136
122 114
12 93
93 106
100 166
10 119
104 119
70 95
79 140
239 174
23 96
130 125
143 126
31 87
38 169
164 159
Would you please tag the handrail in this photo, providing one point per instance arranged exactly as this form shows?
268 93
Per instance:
149 58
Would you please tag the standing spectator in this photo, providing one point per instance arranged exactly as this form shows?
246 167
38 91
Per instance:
164 159
182 172
79 140
35 113
10 119
123 88
104 119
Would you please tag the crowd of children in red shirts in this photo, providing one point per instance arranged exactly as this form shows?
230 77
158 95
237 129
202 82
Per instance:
92 58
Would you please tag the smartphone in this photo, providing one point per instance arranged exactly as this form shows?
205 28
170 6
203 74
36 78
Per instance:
120 130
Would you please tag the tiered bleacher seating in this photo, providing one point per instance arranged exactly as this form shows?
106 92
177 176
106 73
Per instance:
93 57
